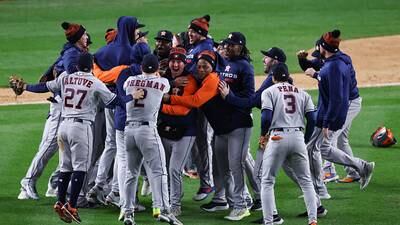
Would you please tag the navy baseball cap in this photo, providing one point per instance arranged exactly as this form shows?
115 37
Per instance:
280 72
85 62
165 35
150 63
235 38
275 53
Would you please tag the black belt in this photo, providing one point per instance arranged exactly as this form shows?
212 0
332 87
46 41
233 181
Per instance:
138 123
283 129
78 120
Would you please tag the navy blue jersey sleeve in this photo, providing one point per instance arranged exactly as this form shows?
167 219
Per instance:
247 81
37 88
311 120
254 100
266 119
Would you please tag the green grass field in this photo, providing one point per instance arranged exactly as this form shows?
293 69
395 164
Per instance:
21 129
31 36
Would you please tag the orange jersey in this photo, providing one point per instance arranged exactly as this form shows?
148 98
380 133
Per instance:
108 76
207 90
180 110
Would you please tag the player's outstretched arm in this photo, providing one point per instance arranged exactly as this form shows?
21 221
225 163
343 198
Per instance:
311 120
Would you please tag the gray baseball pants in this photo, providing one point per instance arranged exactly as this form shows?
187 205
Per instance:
290 148
176 153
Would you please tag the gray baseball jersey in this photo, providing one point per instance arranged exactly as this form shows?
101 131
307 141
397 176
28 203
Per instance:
143 142
81 93
286 145
145 109
288 103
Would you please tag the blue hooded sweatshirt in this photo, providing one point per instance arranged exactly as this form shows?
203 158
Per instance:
120 51
335 85
68 59
193 53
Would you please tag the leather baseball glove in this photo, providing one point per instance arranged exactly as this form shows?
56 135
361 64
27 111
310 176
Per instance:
17 84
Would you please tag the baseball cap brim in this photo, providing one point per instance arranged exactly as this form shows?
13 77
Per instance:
266 53
162 39
140 25
229 41
142 34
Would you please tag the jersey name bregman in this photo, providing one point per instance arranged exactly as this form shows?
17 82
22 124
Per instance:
147 83
288 89
78 81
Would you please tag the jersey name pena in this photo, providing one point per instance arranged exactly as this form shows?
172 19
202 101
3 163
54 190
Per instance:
81 93
145 109
288 103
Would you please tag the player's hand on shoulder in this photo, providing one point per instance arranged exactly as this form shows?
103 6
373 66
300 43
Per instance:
223 89
138 94
262 141
310 72
166 98
302 54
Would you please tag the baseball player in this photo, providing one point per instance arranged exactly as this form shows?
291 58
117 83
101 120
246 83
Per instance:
342 134
80 92
143 144
78 41
202 150
177 127
231 149
284 108
96 194
335 84
162 47
271 58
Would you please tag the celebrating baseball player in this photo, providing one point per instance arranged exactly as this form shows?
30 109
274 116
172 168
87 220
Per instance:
336 85
80 92
143 144
78 41
284 108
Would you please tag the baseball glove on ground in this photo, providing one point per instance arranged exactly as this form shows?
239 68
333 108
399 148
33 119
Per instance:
17 84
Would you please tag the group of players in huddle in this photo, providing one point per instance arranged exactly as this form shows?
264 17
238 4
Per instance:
127 111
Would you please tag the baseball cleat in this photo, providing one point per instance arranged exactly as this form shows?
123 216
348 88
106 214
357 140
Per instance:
256 205
348 180
367 175
128 219
313 223
113 199
203 193
23 195
58 209
96 195
168 217
51 192
276 219
176 211
139 208
330 177
214 206
30 191
238 214
71 213
321 212
146 188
